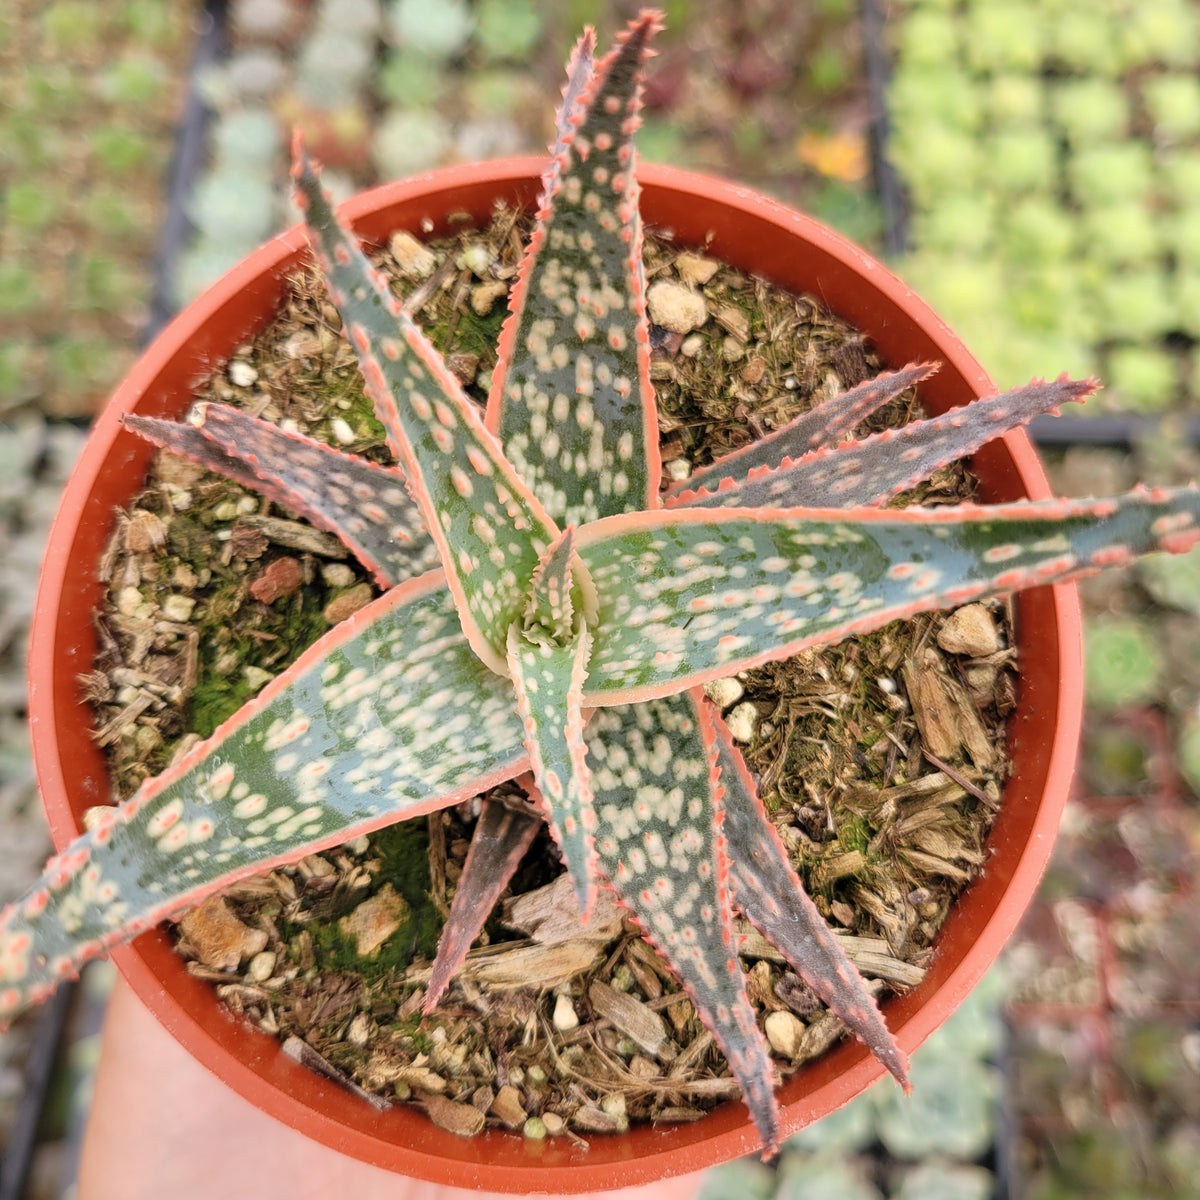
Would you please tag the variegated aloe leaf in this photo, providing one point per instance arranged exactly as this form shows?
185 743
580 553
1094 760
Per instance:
364 504
502 835
823 426
548 678
770 894
660 843
687 595
571 397
389 715
489 529
879 466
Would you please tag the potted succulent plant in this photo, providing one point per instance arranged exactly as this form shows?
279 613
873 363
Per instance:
572 619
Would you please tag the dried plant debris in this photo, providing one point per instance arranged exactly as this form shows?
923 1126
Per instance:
881 759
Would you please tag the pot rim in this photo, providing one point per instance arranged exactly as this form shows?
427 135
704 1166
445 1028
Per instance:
756 234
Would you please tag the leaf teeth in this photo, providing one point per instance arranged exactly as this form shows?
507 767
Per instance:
365 505
822 426
871 470
660 845
771 895
580 70
571 398
502 836
548 680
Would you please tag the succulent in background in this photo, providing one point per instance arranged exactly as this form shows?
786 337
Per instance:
551 611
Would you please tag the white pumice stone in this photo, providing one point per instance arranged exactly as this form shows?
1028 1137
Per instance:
676 307
565 1016
741 721
242 374
724 692
678 469
341 430
784 1031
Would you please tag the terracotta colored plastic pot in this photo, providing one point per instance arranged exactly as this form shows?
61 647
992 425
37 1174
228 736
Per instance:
755 235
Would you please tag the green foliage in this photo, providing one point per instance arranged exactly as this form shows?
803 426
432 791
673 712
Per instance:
1146 377
411 78
233 205
1004 35
941 95
1123 663
951 1110
1036 230
1015 100
823 1177
439 30
1189 751
1110 172
1080 38
926 41
1124 233
1173 580
28 206
1135 305
1160 31
1022 162
408 141
248 138
507 29
940 1180
1089 110
20 289
135 81
1173 102
120 150
1180 173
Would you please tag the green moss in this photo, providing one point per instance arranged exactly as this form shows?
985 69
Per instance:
404 863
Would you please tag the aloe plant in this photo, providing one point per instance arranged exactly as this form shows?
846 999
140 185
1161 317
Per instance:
550 610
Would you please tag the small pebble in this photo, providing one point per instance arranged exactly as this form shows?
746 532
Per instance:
692 345
676 307
724 692
337 575
554 1123
279 578
477 258
969 630
741 721
694 270
256 677
340 428
242 374
348 603
414 260
678 469
535 1128
178 608
359 1032
565 1016
485 295
507 1108
784 1031
261 967
129 600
